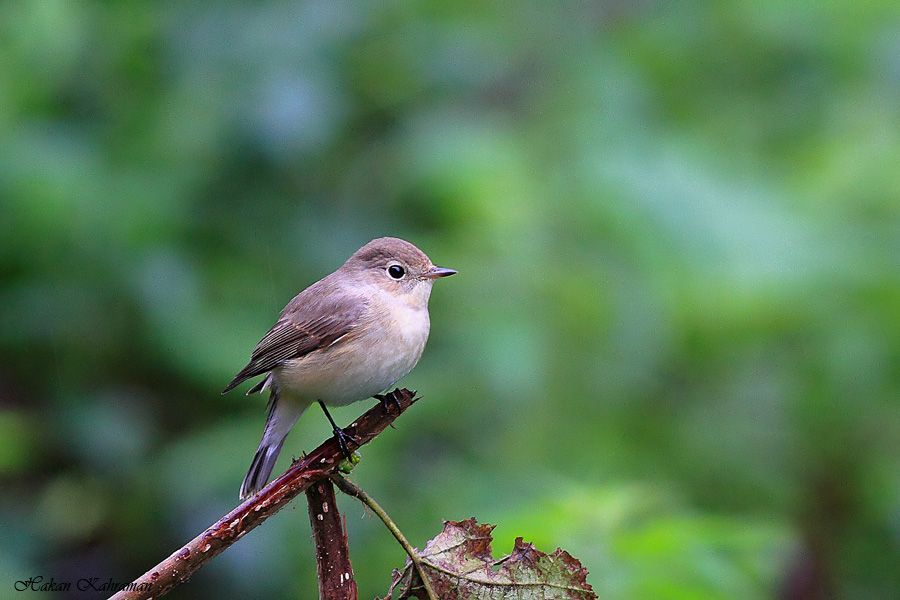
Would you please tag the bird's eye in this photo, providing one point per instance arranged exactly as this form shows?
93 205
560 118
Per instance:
396 272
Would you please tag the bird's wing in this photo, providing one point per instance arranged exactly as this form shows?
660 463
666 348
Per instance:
310 322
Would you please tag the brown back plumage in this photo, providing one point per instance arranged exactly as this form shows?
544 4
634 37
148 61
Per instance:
314 319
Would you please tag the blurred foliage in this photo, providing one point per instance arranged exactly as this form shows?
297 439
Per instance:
673 348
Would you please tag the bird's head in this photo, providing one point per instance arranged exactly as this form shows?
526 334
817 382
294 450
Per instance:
397 267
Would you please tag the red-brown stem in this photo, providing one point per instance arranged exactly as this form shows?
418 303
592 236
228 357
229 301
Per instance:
332 552
317 465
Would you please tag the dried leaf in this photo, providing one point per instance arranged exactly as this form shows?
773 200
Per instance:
460 565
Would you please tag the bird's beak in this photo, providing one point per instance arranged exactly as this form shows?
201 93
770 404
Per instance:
435 272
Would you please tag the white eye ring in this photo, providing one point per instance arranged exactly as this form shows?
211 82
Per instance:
395 271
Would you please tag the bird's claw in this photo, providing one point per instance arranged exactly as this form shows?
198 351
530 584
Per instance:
343 438
388 400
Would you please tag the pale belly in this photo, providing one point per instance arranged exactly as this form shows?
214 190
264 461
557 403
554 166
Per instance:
363 366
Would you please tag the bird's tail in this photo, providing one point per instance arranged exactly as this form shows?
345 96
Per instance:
283 413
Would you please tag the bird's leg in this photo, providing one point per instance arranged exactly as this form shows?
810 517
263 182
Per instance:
387 400
340 435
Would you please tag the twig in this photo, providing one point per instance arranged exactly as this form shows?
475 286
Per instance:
351 489
320 463
332 553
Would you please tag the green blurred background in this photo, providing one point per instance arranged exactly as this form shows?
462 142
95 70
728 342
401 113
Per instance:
673 347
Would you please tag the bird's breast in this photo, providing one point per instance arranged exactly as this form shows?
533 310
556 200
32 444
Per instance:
398 345
385 347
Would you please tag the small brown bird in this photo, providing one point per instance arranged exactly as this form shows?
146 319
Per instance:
345 338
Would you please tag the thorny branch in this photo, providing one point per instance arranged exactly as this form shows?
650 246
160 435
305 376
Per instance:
335 573
317 465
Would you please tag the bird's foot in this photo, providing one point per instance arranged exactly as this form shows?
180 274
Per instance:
340 435
344 440
388 400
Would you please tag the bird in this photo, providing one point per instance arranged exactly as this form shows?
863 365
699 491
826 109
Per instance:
347 337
